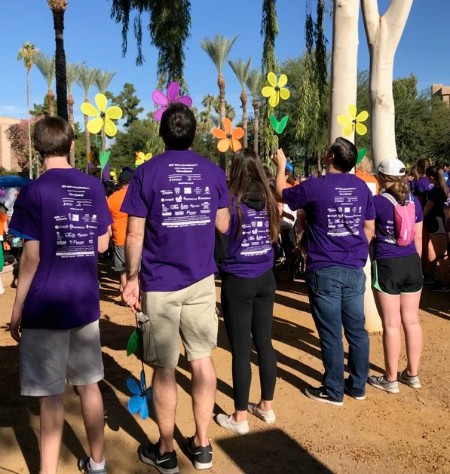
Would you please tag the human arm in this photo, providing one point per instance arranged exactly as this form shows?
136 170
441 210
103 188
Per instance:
29 262
223 219
133 254
418 228
103 242
369 229
279 159
428 206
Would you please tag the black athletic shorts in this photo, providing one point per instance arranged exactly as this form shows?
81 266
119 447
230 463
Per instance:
395 276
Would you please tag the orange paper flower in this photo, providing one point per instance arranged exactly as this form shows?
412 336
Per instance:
228 138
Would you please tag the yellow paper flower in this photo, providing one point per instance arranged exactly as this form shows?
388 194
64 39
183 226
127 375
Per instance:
352 122
276 90
103 117
142 157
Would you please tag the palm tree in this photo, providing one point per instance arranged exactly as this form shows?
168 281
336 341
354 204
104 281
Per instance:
242 69
269 30
218 50
86 79
72 74
58 8
169 25
103 79
28 53
254 84
46 66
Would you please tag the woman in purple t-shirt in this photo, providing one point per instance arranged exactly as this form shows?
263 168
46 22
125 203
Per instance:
397 280
434 223
248 288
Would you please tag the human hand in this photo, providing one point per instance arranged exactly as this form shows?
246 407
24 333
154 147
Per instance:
15 326
131 294
279 158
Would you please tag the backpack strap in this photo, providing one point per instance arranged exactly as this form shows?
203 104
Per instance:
394 201
390 198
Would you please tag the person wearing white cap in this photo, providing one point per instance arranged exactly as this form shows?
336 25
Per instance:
397 278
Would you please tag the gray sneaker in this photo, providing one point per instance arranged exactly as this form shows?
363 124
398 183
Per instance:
383 384
85 467
410 380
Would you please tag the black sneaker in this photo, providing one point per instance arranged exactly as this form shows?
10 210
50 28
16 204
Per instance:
320 395
166 463
202 454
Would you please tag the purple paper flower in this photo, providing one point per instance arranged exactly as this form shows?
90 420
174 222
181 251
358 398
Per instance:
159 98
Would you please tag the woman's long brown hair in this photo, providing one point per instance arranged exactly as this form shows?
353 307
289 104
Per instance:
247 176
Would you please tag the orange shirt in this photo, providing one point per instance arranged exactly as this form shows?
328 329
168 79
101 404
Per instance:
120 219
3 221
370 180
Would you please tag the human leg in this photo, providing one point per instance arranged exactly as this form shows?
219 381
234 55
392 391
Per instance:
52 422
325 291
353 320
93 417
409 307
84 370
164 388
237 306
389 307
203 397
262 338
439 244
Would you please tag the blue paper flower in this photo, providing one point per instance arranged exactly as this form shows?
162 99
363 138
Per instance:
138 402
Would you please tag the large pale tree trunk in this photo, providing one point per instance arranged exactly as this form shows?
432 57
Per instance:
344 77
344 63
383 36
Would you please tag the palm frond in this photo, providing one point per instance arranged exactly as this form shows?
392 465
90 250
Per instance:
46 66
218 49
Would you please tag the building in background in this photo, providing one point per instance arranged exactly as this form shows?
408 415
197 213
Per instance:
7 157
441 91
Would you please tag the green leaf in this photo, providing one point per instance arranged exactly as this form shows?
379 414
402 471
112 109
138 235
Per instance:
361 154
279 126
133 342
104 157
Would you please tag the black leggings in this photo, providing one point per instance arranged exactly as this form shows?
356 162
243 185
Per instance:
247 306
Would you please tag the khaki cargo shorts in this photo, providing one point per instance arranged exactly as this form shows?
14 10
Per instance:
190 312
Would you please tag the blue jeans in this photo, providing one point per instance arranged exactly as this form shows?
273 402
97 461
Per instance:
336 295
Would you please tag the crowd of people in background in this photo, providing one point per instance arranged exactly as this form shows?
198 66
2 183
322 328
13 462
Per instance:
323 228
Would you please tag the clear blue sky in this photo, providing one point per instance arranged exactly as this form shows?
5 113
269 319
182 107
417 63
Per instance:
92 36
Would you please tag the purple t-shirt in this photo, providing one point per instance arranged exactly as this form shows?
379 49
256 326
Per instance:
251 254
66 211
179 193
421 187
383 247
336 206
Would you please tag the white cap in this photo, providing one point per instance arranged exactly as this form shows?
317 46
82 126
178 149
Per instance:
392 167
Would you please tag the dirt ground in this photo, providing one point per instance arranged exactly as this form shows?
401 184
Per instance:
404 433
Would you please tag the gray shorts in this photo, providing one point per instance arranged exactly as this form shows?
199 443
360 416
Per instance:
50 358
190 312
119 258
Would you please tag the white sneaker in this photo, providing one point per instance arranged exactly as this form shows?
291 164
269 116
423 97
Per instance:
227 422
267 416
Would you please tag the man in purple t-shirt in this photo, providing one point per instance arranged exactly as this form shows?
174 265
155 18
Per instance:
64 219
340 215
174 203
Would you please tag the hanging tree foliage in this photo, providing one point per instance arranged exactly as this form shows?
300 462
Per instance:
169 26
